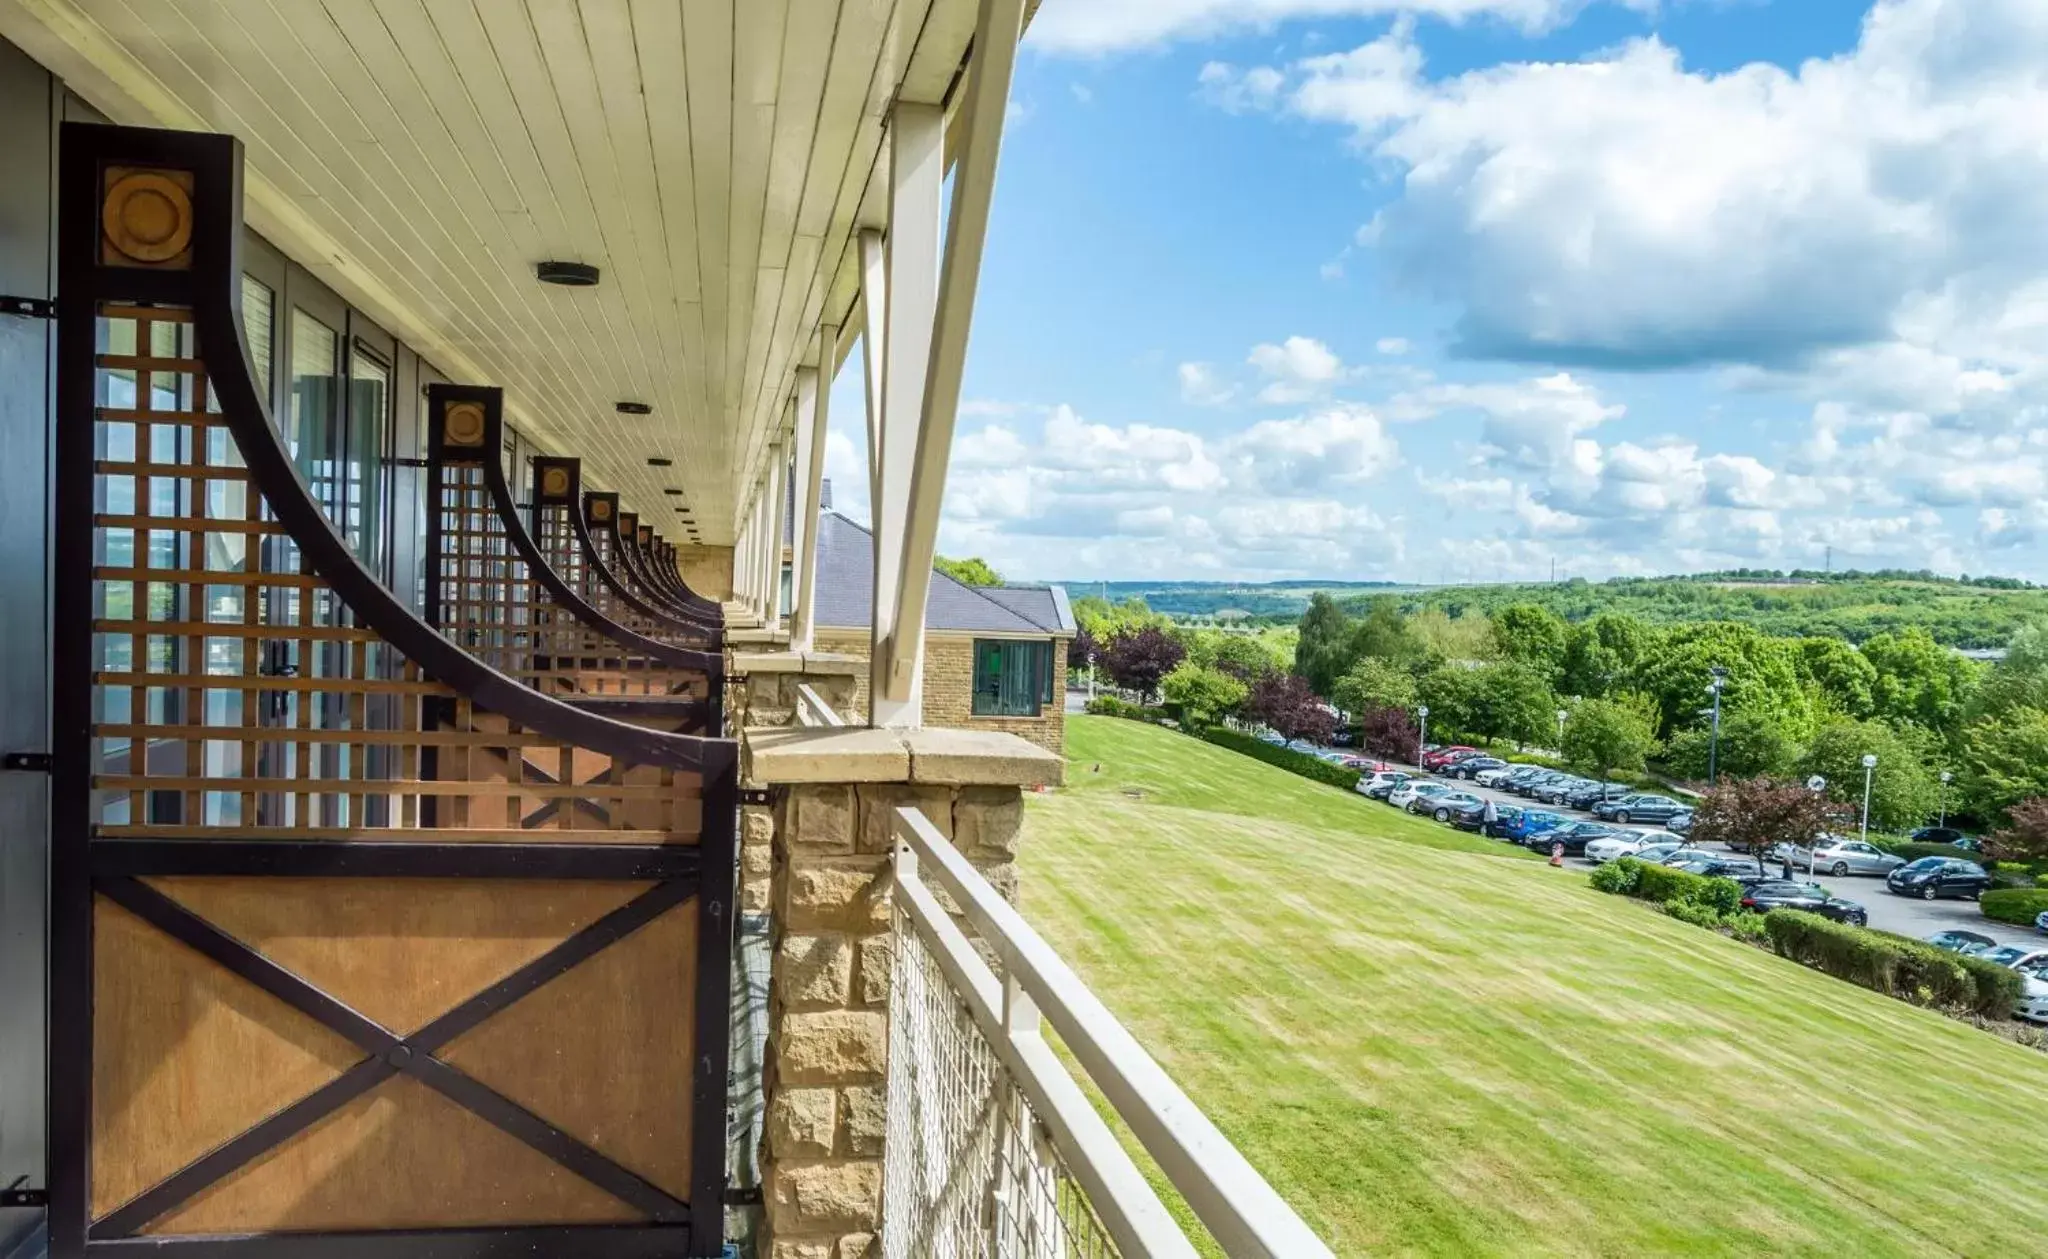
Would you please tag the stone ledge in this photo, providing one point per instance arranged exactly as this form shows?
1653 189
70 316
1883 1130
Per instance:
858 754
747 636
824 663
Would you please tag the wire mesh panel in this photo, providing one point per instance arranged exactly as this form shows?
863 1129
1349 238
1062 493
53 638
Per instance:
968 1171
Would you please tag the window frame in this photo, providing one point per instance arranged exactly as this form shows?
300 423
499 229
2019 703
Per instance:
1041 689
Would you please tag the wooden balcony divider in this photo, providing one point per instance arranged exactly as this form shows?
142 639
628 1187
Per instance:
361 943
614 539
561 525
492 590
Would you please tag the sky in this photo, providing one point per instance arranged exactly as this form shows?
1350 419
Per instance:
1477 290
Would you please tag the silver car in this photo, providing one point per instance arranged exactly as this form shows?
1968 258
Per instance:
1832 854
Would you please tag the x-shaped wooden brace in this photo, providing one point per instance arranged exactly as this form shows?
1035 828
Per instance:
391 1053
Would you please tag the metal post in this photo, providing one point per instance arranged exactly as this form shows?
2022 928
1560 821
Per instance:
1714 739
1421 734
1869 767
1945 776
1561 715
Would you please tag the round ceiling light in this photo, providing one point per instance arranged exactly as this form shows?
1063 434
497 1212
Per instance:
575 275
658 462
633 408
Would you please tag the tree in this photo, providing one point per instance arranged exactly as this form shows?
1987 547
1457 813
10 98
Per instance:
1755 814
1607 734
1762 675
1105 620
2018 681
1751 743
1384 634
1389 733
1202 694
1082 652
1514 701
1600 654
1285 702
1903 789
1918 679
2005 760
1325 645
973 571
1138 659
1242 655
1456 700
1840 674
1374 683
2025 836
1531 635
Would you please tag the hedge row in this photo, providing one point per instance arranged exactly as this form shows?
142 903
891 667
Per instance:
1913 852
2016 905
1666 886
1111 706
1894 965
1286 758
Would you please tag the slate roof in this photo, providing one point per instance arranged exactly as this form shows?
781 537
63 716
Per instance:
846 588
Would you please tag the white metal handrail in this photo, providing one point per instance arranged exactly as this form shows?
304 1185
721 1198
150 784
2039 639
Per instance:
1239 1209
811 710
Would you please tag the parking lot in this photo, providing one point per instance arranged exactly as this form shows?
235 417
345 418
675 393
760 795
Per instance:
1898 914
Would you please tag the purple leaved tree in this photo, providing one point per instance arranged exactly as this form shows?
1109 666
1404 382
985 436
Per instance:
1137 659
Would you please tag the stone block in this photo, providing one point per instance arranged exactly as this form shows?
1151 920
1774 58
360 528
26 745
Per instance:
814 971
757 896
987 823
825 1197
757 826
864 1121
801 1123
852 754
979 758
757 860
877 958
878 805
820 819
859 1246
831 1047
835 897
804 1248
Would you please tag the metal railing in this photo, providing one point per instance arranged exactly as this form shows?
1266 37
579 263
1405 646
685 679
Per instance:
811 710
992 1146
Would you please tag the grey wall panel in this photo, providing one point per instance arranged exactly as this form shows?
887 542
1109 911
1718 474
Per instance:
30 101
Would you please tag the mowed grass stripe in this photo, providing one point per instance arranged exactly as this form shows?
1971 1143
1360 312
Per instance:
1431 1049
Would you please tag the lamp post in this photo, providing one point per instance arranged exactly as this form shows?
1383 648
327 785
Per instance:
1869 767
1816 785
1561 715
1719 679
1945 776
1422 733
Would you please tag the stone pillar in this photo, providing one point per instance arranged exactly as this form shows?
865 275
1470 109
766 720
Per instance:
834 794
763 694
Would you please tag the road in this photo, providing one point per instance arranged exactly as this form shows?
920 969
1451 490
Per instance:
1898 914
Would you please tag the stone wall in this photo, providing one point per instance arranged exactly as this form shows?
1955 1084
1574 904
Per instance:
706 570
949 687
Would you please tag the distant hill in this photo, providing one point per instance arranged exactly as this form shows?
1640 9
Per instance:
1968 612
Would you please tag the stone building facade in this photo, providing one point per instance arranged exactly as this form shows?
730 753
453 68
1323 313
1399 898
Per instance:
949 687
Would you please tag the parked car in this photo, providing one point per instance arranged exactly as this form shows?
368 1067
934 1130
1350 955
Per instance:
1772 894
1558 790
1961 941
1947 835
1658 852
1538 787
1638 807
2033 1002
1405 794
1376 786
1470 767
1931 878
1516 823
1303 746
1518 779
1679 823
2015 956
1625 844
1437 758
2041 922
1363 764
1447 806
1838 856
1587 794
1713 865
1275 738
1496 776
1573 835
1426 794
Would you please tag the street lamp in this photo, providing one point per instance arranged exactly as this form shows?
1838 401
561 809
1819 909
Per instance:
1945 776
1422 735
1561 715
1869 765
1816 785
1720 679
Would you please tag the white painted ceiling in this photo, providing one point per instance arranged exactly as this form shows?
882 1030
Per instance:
712 157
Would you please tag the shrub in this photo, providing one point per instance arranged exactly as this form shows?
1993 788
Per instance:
1746 926
1111 706
2016 905
1893 965
2041 880
1665 885
1618 878
1286 758
1698 915
1913 852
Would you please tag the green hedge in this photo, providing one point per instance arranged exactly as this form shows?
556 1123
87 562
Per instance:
1666 886
1894 965
1286 758
2017 905
1913 852
1111 706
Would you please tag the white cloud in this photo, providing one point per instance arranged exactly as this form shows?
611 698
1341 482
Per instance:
1236 91
1298 369
1103 26
1391 345
1201 386
1339 445
1534 424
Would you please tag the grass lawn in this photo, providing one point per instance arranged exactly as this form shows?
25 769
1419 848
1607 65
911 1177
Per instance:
1430 1047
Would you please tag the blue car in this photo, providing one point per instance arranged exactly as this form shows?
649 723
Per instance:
1516 823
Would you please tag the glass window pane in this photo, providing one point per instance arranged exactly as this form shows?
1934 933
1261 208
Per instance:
312 426
369 400
258 316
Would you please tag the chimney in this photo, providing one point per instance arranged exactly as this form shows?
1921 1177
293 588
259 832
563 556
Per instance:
825 494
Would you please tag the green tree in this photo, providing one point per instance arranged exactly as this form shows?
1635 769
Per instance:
1465 637
1324 651
1244 654
1203 694
1919 680
1840 674
1456 701
1383 633
1762 675
1374 683
972 571
1515 702
1601 652
1608 734
1904 791
2005 761
1752 744
2018 681
1531 635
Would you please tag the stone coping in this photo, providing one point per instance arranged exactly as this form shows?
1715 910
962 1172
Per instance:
750 637
859 754
820 662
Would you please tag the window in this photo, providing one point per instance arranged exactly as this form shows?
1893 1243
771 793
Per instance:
369 401
257 325
312 425
1011 679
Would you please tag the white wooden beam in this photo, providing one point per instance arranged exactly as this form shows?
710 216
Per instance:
911 287
813 407
874 306
997 26
778 516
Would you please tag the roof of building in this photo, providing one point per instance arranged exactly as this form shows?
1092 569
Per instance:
846 592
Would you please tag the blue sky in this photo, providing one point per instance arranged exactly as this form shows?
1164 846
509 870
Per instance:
1459 289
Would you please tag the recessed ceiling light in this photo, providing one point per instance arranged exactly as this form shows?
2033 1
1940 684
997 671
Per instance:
672 490
658 462
575 275
633 408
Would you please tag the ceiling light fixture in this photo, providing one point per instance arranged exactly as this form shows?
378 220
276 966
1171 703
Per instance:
672 490
633 408
575 275
658 462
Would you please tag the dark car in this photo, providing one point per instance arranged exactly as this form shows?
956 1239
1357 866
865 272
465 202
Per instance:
1714 866
1519 780
1516 822
1931 878
1679 823
1946 835
1639 807
1469 766
1770 894
1586 795
1556 790
1573 835
1544 783
1468 814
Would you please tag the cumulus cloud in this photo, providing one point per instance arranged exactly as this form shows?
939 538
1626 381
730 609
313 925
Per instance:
1298 369
1201 386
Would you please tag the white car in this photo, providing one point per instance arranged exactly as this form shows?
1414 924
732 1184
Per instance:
1628 844
1378 784
1492 777
2033 1005
1404 795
